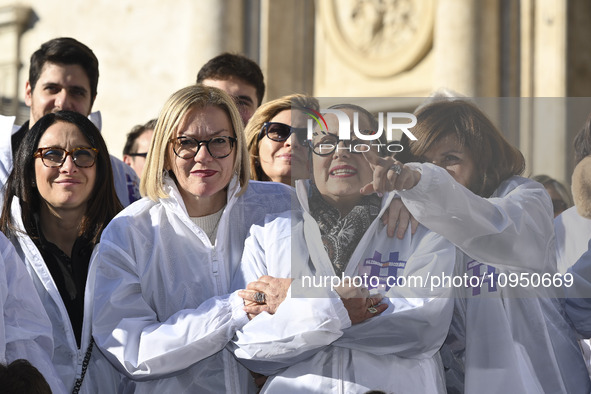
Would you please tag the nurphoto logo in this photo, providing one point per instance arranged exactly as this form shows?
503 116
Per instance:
344 132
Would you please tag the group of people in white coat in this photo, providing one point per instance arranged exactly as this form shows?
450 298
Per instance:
200 286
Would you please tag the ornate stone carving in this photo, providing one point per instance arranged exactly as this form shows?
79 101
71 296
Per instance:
379 38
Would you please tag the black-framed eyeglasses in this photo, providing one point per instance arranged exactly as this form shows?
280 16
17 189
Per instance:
144 154
188 147
280 132
53 157
327 143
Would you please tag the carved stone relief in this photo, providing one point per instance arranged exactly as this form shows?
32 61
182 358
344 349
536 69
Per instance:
379 38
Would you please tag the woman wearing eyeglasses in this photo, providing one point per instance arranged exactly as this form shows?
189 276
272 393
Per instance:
276 137
165 275
279 150
58 199
377 335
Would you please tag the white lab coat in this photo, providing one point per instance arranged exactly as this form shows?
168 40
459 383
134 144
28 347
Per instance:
25 329
510 339
67 357
309 345
164 304
125 178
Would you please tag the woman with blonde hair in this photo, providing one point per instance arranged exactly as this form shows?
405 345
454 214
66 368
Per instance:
164 277
277 139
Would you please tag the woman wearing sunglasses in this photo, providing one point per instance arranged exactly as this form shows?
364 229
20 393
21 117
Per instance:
166 272
58 199
277 143
280 151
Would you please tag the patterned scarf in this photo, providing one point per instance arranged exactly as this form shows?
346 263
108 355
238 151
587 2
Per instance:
340 236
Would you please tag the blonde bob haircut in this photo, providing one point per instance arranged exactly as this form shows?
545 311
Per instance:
265 113
495 159
172 116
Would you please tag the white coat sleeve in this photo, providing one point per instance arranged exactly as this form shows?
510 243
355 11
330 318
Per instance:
515 230
578 301
131 334
299 327
419 312
27 328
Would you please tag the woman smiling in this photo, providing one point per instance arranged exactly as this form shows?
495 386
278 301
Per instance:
277 139
58 199
355 338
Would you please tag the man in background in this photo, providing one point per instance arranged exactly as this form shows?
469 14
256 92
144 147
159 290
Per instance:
137 146
63 75
238 76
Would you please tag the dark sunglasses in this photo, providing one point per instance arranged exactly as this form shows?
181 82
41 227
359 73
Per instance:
280 132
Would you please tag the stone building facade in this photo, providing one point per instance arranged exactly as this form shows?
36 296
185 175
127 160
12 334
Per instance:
529 62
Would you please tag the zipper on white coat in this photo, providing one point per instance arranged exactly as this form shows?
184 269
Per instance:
215 266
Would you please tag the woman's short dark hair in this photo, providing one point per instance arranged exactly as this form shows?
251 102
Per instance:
495 160
103 203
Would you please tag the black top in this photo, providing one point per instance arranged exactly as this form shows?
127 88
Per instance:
69 274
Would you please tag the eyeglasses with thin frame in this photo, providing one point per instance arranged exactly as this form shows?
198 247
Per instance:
327 143
218 147
280 132
52 157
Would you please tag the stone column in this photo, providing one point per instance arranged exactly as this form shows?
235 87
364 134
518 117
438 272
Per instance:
287 46
13 21
466 46
547 63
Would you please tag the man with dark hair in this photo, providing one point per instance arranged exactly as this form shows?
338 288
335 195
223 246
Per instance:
63 75
137 145
238 76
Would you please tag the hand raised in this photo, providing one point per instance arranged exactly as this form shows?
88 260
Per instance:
389 174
